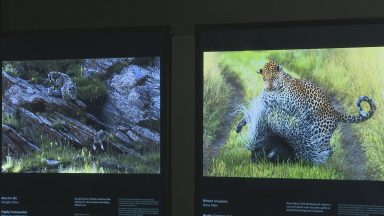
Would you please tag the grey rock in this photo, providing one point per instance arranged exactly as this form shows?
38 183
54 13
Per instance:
14 143
122 137
102 66
20 93
146 134
52 162
133 136
133 100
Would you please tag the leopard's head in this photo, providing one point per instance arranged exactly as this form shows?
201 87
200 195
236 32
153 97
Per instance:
54 78
272 74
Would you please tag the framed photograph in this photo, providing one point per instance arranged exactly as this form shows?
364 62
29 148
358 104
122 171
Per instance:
84 122
289 118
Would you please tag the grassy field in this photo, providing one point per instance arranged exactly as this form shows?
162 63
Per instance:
345 73
72 160
60 157
216 101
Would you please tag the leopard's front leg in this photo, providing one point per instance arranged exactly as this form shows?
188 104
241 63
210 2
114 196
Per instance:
52 91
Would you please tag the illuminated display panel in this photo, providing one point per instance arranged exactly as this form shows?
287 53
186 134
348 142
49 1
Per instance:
289 118
84 117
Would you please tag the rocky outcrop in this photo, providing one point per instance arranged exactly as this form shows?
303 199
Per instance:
129 119
54 116
15 144
133 103
19 93
104 67
132 107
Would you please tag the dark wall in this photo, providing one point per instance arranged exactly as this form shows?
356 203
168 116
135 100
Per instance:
181 15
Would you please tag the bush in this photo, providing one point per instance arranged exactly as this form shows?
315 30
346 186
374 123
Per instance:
11 70
8 119
37 70
90 90
216 99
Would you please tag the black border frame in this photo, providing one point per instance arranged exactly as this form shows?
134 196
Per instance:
11 42
229 34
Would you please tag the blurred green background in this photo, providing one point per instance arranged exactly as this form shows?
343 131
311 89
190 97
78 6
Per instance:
343 73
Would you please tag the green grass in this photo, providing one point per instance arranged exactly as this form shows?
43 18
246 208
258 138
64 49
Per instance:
36 71
350 73
148 163
244 65
10 69
216 99
36 161
234 160
346 73
73 160
8 119
266 169
89 90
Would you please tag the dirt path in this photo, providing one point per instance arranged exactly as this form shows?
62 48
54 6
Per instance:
354 156
237 95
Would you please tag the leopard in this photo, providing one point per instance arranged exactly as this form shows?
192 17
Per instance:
295 114
62 86
98 139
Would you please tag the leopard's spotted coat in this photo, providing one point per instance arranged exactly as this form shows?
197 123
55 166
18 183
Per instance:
297 112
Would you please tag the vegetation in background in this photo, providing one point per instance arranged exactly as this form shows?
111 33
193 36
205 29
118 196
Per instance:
59 157
56 156
345 73
8 119
217 96
39 70
89 90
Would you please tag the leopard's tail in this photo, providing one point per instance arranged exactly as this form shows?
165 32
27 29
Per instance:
362 116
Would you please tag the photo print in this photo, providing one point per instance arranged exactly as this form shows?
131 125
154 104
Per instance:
294 114
81 116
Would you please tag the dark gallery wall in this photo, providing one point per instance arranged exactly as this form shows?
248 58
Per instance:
181 16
